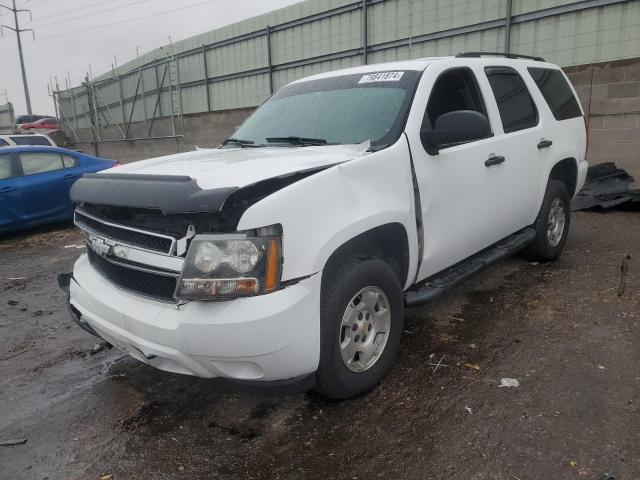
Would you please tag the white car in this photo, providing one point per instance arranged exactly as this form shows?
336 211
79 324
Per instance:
26 139
289 253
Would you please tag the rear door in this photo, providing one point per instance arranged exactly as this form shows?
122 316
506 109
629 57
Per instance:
12 212
520 130
46 188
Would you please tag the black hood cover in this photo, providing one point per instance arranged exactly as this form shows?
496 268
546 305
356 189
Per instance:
168 193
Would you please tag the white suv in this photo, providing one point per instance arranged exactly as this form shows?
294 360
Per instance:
289 253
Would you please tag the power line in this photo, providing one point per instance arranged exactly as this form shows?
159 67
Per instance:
41 3
64 12
125 21
92 13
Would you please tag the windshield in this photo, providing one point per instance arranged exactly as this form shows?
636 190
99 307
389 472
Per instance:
349 109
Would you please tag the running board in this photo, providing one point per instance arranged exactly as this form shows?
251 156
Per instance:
443 281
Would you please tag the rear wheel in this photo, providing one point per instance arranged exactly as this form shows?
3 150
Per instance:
362 314
552 223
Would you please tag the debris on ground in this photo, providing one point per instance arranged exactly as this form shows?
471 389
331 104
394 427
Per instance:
509 383
437 365
10 443
607 188
624 269
468 409
98 347
475 366
13 303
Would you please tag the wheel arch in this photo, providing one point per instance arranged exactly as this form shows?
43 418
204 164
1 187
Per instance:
388 242
566 171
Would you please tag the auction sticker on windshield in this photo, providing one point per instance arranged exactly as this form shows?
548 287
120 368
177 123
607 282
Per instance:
382 77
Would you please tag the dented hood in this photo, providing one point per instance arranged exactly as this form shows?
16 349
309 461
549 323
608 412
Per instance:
238 167
202 180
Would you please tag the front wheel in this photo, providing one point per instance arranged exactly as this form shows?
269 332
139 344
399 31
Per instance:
552 223
362 315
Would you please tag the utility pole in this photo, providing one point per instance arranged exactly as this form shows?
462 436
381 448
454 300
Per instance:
18 31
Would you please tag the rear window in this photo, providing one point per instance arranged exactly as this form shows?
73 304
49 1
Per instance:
515 104
557 92
30 140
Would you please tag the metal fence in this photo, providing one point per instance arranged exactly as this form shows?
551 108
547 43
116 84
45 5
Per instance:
247 61
7 119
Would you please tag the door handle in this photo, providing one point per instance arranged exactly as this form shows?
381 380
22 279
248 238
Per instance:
544 143
71 176
494 160
7 189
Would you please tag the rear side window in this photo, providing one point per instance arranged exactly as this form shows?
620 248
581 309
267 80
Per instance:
556 92
515 104
6 167
30 140
40 162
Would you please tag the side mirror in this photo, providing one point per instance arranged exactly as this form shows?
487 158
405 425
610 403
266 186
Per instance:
455 127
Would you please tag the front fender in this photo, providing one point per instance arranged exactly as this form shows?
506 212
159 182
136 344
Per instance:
322 212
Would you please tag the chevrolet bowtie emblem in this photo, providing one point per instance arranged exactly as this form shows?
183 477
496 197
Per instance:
101 246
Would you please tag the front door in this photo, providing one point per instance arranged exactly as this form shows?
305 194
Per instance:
45 188
463 188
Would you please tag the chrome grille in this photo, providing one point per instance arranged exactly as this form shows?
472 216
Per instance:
127 235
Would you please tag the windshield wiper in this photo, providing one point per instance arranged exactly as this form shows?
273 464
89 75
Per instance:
293 140
240 143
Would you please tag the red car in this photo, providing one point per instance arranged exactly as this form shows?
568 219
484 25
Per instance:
43 124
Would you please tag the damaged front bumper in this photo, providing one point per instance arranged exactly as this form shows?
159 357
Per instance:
64 282
260 339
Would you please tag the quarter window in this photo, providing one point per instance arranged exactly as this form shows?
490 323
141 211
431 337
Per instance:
557 92
515 104
3 143
33 163
68 161
6 167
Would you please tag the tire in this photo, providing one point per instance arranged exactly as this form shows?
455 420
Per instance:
548 246
343 289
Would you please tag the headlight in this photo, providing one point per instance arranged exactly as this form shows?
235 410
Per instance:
230 266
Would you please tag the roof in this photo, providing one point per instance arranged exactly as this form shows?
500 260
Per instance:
418 64
421 64
35 148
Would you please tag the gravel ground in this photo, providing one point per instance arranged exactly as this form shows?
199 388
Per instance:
560 329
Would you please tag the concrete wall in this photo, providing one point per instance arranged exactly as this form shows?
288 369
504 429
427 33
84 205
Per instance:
201 130
610 94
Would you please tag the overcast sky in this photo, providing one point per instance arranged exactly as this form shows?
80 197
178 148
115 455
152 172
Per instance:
60 47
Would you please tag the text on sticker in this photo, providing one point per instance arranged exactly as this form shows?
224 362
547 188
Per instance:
382 77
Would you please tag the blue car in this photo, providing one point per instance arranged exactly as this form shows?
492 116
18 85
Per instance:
35 183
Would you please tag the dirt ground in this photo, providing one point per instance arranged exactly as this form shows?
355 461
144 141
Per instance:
560 329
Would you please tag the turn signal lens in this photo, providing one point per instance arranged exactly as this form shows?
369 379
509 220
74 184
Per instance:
273 266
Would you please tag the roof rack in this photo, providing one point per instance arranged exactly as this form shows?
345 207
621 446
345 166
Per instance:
498 54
